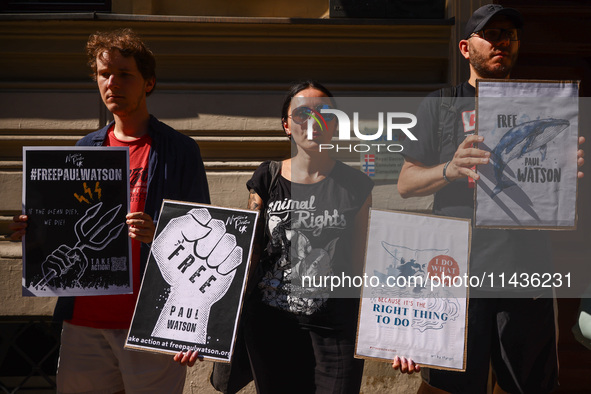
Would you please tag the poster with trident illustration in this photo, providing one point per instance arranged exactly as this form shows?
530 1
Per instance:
76 242
192 291
530 129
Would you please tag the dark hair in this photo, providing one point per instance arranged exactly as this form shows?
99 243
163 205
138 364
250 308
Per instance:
128 43
295 89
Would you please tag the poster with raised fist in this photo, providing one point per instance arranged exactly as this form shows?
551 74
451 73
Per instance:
192 292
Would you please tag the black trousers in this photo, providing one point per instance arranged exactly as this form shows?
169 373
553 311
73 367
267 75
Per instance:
516 336
287 357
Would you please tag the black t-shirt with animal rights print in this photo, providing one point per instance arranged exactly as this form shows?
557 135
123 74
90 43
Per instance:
309 233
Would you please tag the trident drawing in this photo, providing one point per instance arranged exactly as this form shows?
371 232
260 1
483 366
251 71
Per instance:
88 239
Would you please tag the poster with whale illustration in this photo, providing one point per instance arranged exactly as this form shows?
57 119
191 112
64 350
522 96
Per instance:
530 129
192 291
415 292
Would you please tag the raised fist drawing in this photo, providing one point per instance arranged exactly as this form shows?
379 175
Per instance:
198 259
66 265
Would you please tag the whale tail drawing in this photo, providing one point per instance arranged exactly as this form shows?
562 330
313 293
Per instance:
505 183
521 139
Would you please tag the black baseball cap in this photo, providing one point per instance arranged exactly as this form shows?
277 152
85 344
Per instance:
481 16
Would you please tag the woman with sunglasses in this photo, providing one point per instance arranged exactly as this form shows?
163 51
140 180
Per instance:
300 333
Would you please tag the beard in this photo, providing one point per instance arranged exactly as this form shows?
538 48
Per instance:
494 71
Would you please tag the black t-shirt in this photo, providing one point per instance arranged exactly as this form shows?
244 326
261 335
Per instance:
309 232
493 250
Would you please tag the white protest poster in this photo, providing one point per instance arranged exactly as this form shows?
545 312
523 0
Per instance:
192 290
76 243
414 302
531 130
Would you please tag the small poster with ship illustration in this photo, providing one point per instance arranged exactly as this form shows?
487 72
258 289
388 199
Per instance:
530 129
415 297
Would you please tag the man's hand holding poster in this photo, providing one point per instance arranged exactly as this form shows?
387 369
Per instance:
192 291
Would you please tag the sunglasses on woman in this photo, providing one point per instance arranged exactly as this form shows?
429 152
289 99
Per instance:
302 114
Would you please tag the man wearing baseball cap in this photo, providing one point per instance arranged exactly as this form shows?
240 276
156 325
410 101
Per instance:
516 336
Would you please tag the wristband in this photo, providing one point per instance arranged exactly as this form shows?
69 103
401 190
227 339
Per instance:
444 169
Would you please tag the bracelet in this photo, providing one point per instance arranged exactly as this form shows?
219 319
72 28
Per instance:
444 169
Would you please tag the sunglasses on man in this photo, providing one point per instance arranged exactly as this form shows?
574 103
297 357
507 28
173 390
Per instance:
498 35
